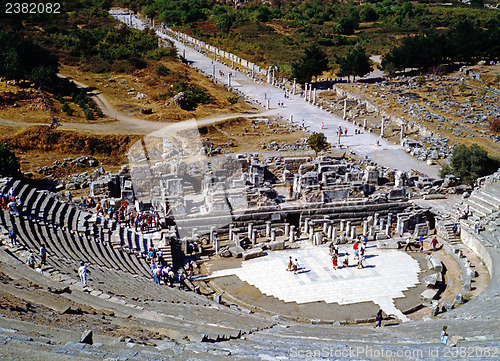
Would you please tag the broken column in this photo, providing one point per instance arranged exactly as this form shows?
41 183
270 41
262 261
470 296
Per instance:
402 135
270 75
342 225
325 226
388 230
268 105
294 87
306 226
268 229
250 229
330 231
254 236
381 224
291 118
365 228
216 245
305 92
229 79
345 109
364 124
348 228
273 235
382 128
314 97
292 234
212 230
287 229
353 233
230 232
334 233
375 219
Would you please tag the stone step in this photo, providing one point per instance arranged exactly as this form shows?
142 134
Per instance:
483 206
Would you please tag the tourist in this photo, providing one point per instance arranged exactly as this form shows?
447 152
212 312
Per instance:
421 242
31 261
331 248
408 244
434 243
12 236
334 261
365 239
444 335
82 272
476 227
171 278
322 125
454 230
157 275
290 264
346 260
295 266
43 255
159 254
361 258
379 319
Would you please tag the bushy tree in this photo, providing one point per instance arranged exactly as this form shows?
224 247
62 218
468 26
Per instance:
21 58
9 165
313 63
356 63
318 142
470 163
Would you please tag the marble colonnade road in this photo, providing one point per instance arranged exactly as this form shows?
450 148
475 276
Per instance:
385 154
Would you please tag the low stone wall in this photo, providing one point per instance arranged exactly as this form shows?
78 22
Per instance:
473 241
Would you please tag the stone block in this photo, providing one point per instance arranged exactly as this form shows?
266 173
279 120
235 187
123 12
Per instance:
236 251
252 253
380 236
434 280
471 272
225 253
276 245
86 337
459 299
428 295
447 306
433 262
388 244
217 298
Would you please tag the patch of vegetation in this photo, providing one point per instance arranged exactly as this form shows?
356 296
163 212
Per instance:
470 163
41 138
464 43
356 63
9 165
22 59
193 95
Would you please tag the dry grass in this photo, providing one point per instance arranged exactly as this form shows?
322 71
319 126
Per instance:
115 88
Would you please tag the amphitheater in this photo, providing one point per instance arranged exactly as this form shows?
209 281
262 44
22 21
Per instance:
182 324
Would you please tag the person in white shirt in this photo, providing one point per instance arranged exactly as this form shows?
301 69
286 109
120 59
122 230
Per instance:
82 272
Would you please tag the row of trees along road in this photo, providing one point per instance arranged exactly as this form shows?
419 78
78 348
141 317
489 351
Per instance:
315 61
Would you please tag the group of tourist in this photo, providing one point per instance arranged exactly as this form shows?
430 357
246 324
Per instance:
420 240
10 202
162 271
